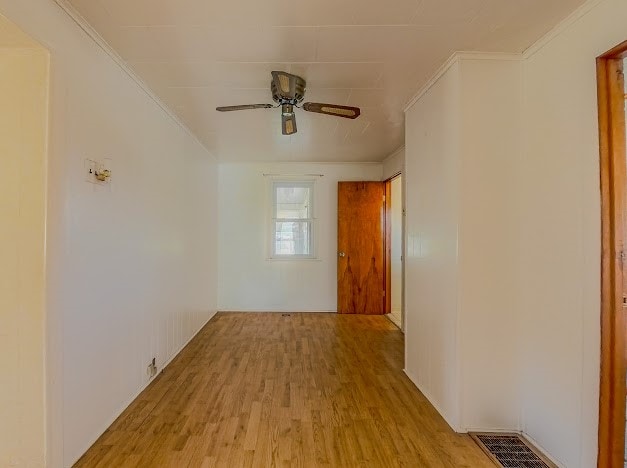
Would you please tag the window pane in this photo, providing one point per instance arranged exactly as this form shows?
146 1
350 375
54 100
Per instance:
293 202
293 238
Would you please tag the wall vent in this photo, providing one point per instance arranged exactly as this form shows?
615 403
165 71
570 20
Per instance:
511 451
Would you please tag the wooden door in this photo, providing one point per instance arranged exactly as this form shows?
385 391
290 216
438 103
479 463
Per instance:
360 246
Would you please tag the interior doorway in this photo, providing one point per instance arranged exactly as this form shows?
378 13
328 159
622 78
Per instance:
612 143
394 225
24 76
370 248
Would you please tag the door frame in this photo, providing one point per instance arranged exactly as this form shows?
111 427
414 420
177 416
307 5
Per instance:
611 106
388 246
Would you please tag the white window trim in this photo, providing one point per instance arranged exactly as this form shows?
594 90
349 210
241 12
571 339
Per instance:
274 182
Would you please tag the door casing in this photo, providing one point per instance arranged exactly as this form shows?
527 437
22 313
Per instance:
611 103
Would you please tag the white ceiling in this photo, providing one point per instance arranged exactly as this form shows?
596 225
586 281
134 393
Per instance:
374 54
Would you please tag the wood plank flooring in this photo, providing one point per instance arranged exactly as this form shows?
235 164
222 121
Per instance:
302 390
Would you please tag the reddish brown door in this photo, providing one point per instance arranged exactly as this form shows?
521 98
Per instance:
360 245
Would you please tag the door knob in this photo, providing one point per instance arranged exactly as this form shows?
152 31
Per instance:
342 254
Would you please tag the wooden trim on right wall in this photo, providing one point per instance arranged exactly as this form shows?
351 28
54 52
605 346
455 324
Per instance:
611 104
388 246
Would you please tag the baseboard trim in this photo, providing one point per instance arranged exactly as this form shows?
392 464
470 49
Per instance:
542 450
277 311
434 403
143 387
492 430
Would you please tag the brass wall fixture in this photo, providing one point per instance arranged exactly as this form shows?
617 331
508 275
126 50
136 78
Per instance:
103 175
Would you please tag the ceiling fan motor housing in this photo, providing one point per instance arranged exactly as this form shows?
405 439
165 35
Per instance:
299 93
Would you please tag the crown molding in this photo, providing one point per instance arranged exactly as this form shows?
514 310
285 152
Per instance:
452 60
270 162
82 23
560 27
501 56
394 153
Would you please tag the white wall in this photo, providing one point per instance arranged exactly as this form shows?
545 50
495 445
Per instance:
432 146
490 147
559 212
462 145
251 282
538 309
132 268
23 132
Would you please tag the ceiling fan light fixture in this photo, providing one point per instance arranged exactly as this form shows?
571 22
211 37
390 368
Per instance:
288 91
288 124
284 81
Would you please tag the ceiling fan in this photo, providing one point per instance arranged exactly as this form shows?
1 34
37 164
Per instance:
288 91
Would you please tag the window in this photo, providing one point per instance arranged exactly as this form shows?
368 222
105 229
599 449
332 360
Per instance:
292 226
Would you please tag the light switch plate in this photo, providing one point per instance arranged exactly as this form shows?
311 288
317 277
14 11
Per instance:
90 169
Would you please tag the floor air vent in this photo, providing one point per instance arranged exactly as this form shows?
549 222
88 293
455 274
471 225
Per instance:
511 451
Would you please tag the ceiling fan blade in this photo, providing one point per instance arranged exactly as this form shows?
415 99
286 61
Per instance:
244 107
288 123
285 84
332 109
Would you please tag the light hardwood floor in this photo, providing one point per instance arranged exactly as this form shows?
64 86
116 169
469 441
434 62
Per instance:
268 390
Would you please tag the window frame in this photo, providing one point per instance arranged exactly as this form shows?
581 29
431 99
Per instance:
283 182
